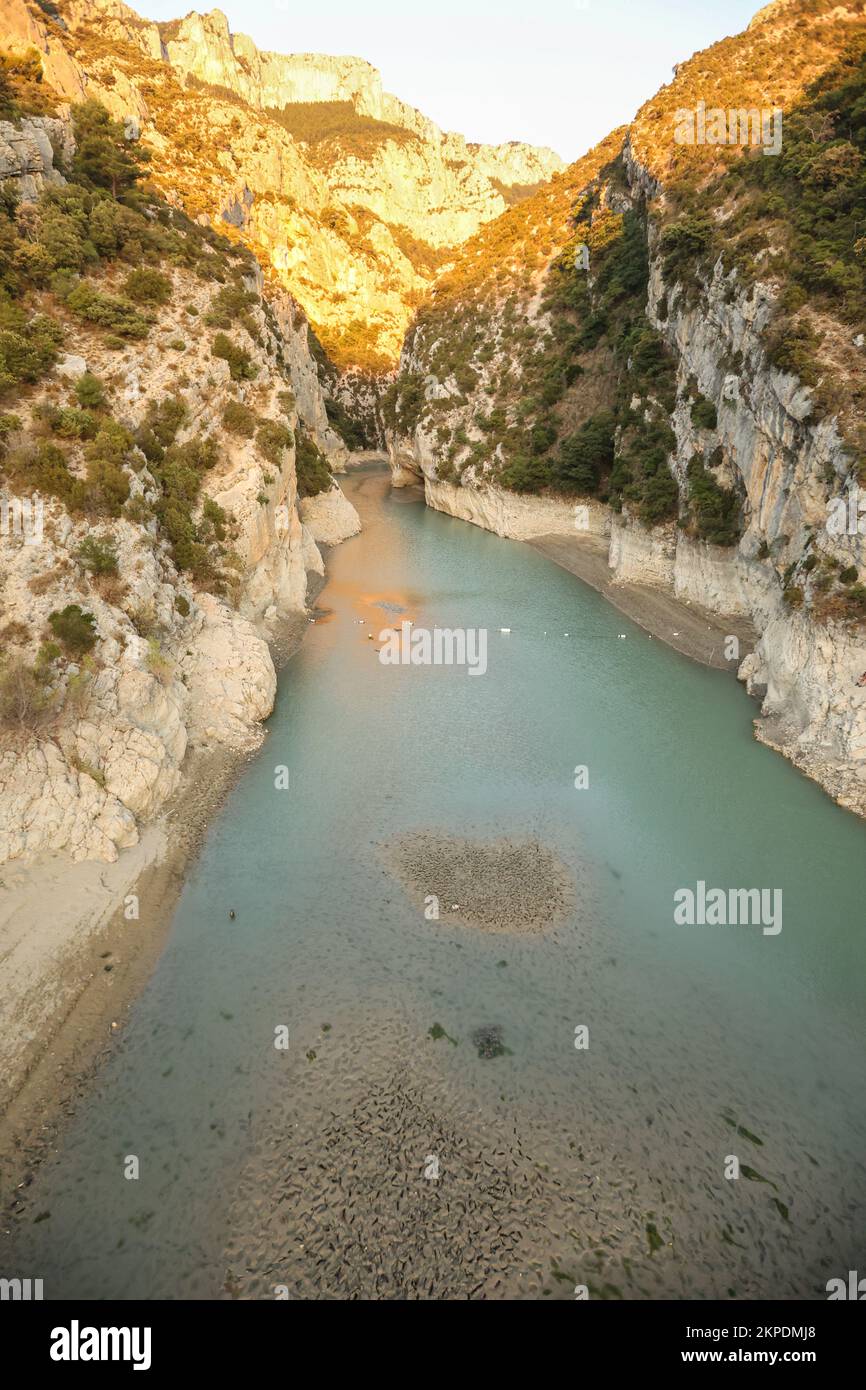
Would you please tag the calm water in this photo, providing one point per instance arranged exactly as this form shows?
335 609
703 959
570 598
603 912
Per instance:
304 1170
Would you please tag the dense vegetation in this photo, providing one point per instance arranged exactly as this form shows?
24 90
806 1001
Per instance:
799 217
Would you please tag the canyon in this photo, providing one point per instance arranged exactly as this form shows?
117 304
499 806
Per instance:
265 329
350 197
761 436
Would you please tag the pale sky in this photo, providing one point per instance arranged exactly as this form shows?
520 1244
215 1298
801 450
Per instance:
552 72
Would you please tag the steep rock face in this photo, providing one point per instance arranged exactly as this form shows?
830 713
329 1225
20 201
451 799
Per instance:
27 152
205 46
176 667
783 461
760 434
329 517
353 217
803 670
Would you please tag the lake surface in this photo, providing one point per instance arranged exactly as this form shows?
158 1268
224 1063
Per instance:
309 1171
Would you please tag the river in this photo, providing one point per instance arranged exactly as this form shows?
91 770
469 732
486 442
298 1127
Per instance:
380 1155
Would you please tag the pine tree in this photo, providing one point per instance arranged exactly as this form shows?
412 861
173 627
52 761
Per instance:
104 157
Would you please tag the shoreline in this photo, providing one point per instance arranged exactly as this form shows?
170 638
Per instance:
692 631
93 978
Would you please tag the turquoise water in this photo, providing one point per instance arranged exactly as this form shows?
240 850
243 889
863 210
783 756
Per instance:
303 1170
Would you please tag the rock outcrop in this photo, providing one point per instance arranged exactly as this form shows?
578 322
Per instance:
353 207
179 664
759 435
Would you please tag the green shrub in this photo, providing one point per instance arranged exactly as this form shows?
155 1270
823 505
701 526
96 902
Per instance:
147 286
216 518
44 468
584 456
704 414
74 629
28 347
97 556
229 306
239 419
69 422
526 473
241 365
107 311
89 391
106 487
9 424
272 438
792 348
716 508
660 497
684 243
313 473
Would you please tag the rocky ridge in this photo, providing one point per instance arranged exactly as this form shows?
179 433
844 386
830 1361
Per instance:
766 443
354 222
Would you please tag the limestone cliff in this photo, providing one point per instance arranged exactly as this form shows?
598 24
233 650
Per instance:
151 547
683 400
351 196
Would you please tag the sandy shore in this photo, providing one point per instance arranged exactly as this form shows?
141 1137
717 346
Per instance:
72 962
688 628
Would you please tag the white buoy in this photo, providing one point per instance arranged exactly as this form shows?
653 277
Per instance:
505 629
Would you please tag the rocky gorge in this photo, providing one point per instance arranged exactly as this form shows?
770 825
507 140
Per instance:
753 423
231 279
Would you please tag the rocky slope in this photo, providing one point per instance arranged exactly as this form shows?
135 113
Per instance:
679 371
139 602
352 197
